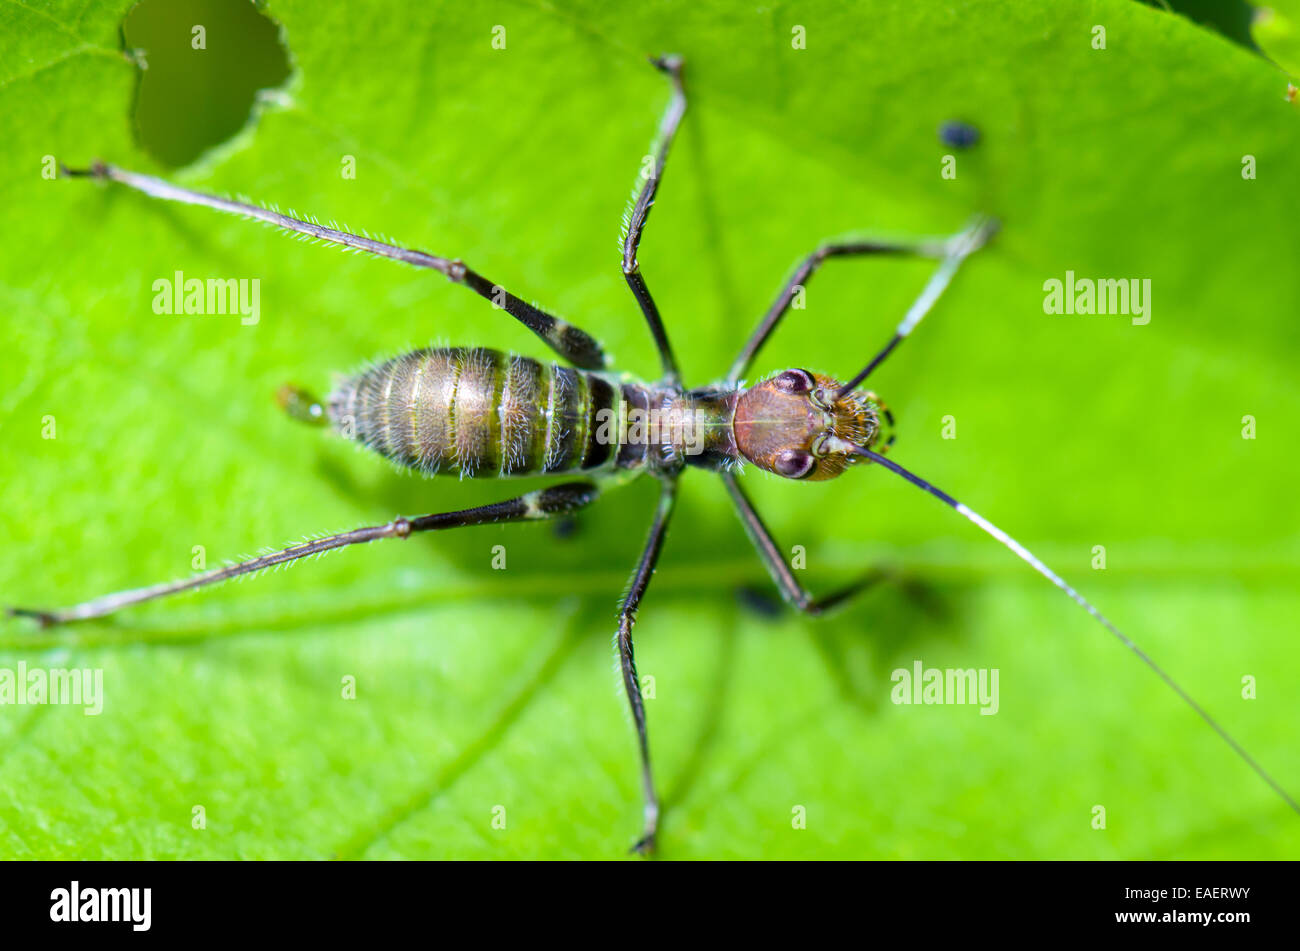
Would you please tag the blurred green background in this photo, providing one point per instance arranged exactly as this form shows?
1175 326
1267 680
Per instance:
479 688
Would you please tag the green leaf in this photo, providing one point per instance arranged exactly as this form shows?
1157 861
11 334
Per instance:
1276 28
479 688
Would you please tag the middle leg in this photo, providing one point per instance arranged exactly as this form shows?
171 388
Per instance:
626 618
672 67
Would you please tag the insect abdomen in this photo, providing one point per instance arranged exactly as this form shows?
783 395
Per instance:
477 413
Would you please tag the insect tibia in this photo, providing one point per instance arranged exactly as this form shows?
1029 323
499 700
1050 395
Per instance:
301 405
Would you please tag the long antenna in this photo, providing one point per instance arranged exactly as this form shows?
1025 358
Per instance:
1031 559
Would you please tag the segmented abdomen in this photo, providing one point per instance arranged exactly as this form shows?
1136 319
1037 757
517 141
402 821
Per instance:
478 413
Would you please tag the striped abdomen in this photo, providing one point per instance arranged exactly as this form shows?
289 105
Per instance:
480 413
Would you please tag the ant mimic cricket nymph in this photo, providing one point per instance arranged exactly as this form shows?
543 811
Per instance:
478 413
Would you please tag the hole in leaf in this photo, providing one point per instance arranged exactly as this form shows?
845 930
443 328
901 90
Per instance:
203 64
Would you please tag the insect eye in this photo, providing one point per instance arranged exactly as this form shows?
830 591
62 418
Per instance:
795 381
793 463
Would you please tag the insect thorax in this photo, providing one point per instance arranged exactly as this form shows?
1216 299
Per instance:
480 413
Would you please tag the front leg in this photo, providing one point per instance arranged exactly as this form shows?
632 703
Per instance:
949 251
796 594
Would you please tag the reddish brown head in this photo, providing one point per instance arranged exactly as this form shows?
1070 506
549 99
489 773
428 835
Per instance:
793 424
